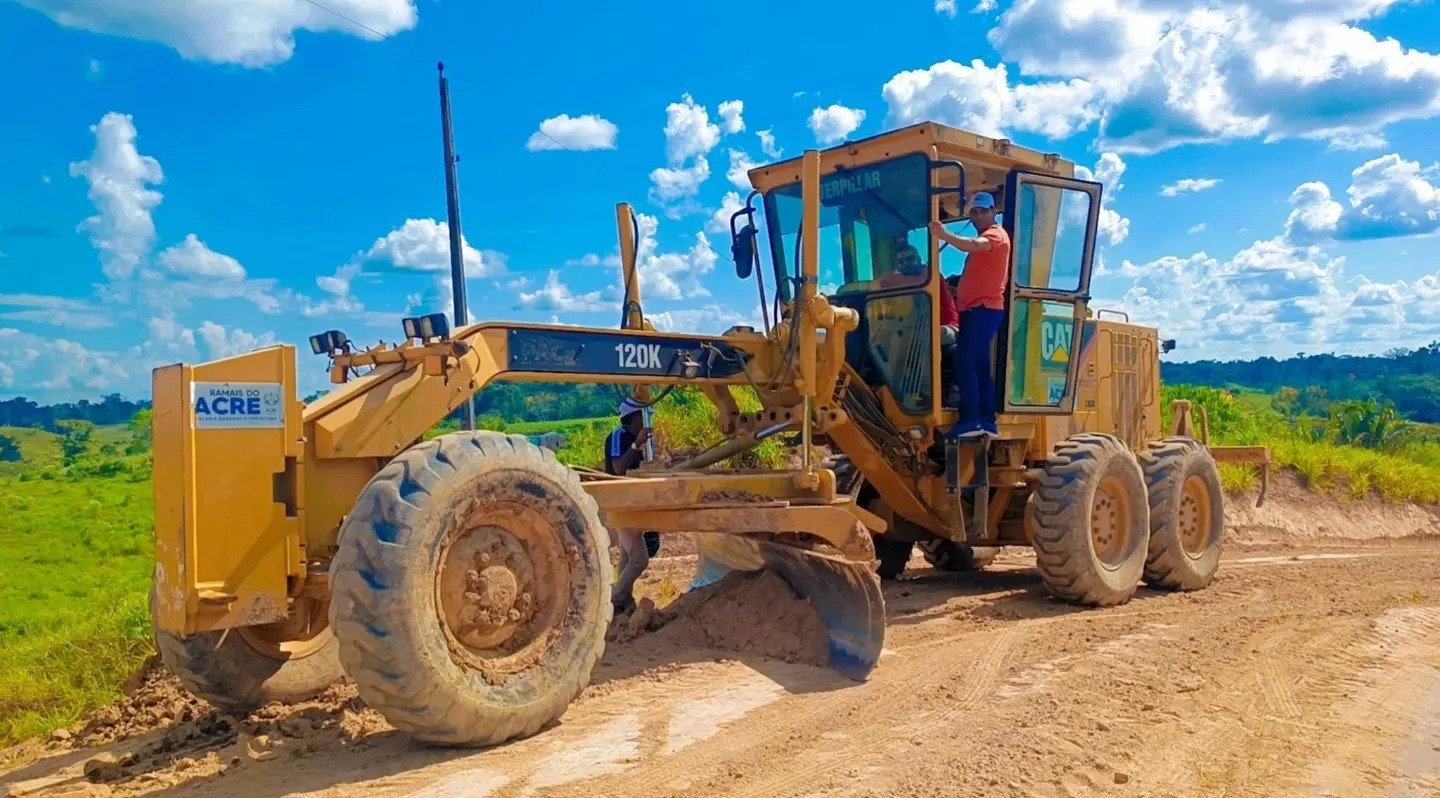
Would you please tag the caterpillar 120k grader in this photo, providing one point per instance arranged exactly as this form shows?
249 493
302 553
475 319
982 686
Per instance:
463 582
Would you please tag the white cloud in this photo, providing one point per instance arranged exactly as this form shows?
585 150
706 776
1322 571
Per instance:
64 312
1189 185
581 133
719 223
672 275
689 138
980 98
679 183
739 172
731 119
831 125
424 245
946 7
983 7
252 33
1199 228
191 258
1109 171
1171 73
663 275
709 320
123 230
767 144
222 343
1360 140
556 296
689 133
1389 197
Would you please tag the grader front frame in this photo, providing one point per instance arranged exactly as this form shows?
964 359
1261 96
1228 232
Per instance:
463 582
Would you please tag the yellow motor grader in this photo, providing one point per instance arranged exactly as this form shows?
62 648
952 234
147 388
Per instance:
463 582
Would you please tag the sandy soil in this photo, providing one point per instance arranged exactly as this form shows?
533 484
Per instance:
1308 668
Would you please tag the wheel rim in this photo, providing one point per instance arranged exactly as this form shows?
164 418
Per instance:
1195 517
1110 516
306 631
502 589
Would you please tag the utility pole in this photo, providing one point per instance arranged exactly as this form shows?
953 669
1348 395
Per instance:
452 220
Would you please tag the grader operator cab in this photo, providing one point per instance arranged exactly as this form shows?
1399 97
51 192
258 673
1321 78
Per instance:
463 582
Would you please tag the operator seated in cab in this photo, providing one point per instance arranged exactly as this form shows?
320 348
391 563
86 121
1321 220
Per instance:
980 301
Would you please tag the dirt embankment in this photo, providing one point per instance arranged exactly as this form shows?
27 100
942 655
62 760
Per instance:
1292 515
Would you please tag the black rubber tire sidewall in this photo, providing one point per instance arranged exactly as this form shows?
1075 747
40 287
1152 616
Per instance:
1168 465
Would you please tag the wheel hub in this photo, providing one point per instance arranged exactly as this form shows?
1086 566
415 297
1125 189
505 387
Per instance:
1110 522
485 588
1194 520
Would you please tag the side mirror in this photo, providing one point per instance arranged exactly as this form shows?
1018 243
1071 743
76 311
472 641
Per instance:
742 250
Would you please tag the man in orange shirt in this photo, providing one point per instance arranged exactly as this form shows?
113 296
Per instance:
980 298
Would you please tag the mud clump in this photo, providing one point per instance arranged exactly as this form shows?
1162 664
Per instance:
748 613
153 699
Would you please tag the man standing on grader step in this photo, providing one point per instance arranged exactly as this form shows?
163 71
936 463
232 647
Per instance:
624 449
980 298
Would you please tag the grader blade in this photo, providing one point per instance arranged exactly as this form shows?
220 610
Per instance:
845 594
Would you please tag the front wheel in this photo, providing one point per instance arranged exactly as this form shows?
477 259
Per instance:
245 668
471 589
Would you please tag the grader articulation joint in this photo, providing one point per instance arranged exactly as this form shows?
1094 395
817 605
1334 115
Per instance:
463 582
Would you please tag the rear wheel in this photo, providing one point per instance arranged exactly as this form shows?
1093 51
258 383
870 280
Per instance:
1187 518
471 589
245 668
1091 521
947 555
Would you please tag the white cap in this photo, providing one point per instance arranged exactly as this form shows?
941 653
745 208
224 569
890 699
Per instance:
629 406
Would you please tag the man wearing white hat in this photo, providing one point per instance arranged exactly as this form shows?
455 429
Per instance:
980 298
624 449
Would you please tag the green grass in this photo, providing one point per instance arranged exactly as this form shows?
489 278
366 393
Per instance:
1408 473
75 563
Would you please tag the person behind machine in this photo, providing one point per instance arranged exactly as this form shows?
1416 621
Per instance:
980 299
624 448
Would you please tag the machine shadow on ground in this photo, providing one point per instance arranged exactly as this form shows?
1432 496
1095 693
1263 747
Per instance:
999 593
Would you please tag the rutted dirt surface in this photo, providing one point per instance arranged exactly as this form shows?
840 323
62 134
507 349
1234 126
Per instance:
1304 670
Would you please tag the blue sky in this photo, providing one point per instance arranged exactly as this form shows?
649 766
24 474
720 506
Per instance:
185 180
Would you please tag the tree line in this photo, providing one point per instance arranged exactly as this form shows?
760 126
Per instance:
1409 379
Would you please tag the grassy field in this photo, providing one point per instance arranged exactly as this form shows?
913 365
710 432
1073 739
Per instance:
75 543
74 575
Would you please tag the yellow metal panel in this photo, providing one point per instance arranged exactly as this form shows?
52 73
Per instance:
241 545
173 485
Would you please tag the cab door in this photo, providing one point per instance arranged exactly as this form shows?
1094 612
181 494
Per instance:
1052 223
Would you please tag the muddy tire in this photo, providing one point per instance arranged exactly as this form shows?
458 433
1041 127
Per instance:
1187 514
1091 521
892 553
947 555
893 556
472 589
247 668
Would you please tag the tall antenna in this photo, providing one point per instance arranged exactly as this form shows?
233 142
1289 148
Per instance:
452 220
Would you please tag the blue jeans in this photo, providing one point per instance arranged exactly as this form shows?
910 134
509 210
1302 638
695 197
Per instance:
974 375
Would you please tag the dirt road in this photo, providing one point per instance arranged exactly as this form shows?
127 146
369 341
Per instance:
1295 674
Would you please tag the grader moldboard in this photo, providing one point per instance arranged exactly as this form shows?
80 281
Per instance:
463 582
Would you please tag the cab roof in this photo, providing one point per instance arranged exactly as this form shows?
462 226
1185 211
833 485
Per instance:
987 161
